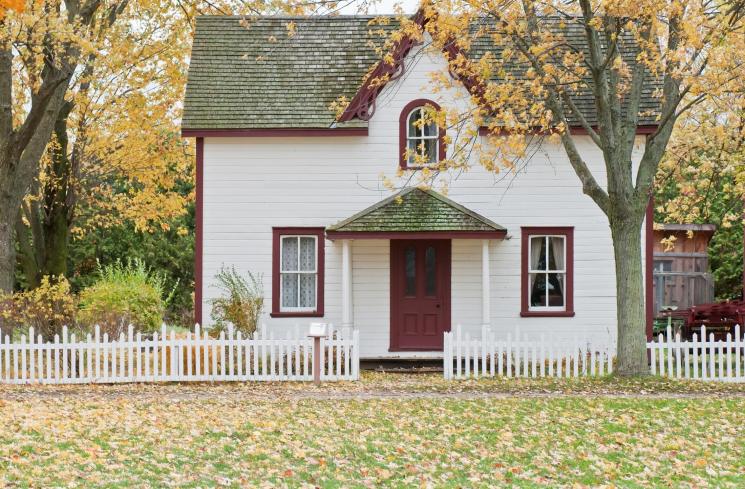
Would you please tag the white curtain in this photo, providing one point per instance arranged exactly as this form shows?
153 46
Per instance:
307 254
557 247
536 249
289 254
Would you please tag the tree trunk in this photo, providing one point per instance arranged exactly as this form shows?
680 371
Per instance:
7 248
630 304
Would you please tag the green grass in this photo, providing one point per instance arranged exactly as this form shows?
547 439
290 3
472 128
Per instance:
229 437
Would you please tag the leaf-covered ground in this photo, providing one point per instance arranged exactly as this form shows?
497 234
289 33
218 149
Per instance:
388 430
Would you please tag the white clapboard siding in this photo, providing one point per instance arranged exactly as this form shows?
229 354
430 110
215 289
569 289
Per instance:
166 356
520 355
699 358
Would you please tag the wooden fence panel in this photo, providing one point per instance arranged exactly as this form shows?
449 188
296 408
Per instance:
520 356
170 357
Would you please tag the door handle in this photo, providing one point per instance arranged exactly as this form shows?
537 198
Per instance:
437 306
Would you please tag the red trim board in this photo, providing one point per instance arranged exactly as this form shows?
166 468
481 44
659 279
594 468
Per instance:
199 230
274 132
333 235
649 268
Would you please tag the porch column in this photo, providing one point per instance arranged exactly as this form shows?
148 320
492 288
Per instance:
485 282
346 283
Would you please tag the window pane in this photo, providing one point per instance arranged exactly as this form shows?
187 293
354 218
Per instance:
289 289
307 254
289 253
556 253
556 289
413 150
410 265
663 266
537 290
415 126
308 290
430 129
538 253
430 148
430 266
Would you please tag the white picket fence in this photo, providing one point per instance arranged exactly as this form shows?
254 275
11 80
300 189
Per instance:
519 355
176 357
699 358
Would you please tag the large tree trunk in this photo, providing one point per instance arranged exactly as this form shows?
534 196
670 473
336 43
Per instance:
630 304
7 247
43 227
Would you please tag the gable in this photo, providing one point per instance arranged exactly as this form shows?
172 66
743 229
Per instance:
416 210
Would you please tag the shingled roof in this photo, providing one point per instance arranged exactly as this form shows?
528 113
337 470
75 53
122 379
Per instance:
416 210
252 75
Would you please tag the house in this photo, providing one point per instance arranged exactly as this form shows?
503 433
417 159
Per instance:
682 276
288 190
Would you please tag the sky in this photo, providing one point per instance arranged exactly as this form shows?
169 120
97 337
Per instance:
383 7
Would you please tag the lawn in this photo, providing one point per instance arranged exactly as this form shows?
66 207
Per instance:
353 435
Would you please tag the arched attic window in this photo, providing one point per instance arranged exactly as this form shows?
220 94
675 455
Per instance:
422 141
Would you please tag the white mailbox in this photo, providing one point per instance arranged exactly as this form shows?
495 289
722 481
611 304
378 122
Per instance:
318 330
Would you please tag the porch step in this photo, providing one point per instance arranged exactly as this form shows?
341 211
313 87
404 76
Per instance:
402 366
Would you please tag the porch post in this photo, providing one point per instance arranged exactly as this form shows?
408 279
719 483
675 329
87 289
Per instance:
485 282
346 283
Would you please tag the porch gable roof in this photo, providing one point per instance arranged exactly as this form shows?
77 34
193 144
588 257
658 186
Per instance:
416 213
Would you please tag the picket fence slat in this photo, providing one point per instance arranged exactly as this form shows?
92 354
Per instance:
166 356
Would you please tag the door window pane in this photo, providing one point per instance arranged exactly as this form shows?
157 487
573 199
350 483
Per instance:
410 265
430 267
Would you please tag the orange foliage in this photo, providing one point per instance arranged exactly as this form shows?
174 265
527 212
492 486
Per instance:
5 5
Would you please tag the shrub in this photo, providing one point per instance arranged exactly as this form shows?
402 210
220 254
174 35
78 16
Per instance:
241 303
123 295
46 308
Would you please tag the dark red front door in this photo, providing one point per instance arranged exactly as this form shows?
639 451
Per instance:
420 293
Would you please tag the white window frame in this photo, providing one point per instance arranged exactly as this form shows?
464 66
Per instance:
283 308
547 272
420 146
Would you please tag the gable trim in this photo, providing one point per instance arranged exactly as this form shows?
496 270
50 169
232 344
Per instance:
334 235
274 132
362 105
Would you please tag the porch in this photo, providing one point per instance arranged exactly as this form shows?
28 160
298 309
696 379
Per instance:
402 290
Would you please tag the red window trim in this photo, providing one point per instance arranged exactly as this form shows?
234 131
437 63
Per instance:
402 123
568 232
277 232
199 231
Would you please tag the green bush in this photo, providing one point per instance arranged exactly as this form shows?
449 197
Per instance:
123 295
241 303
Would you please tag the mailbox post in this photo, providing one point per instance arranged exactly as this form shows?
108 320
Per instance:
317 331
